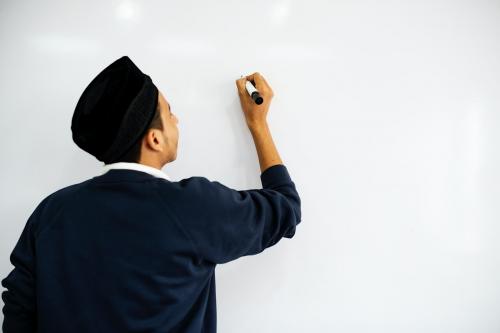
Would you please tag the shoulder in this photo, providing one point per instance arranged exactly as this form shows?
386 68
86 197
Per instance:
64 194
193 184
196 191
53 202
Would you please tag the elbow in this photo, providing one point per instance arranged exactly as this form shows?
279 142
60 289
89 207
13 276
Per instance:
298 214
296 207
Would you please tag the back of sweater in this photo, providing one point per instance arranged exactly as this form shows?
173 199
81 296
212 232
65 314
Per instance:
129 252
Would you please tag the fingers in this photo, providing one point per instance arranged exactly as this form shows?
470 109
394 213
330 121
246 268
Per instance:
240 83
257 80
267 85
260 83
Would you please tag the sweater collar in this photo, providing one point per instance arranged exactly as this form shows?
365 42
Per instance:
135 166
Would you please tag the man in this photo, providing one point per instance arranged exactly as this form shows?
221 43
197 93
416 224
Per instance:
131 250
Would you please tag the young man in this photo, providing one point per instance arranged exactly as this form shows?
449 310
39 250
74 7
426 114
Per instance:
131 250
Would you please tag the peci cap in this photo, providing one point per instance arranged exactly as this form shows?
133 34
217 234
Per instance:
114 111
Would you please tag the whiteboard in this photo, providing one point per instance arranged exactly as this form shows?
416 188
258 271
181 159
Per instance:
386 114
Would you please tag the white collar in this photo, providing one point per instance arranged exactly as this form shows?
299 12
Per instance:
136 166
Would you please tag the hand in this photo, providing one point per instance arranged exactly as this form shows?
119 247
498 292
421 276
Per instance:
254 114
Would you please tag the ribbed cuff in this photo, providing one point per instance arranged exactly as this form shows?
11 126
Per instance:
274 176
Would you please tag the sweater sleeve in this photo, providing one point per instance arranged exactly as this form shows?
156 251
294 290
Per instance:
225 224
20 297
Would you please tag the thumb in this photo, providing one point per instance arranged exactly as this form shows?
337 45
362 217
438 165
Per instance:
240 83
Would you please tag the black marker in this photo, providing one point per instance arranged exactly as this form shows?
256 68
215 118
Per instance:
254 93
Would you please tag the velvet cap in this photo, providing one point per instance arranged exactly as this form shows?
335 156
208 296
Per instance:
114 111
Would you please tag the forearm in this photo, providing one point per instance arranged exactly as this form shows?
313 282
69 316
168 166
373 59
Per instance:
264 144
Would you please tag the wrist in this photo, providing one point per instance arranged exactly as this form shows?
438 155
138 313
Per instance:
257 126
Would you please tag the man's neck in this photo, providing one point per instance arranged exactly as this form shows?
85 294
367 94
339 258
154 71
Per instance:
150 163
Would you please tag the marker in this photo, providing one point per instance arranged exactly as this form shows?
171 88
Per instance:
254 93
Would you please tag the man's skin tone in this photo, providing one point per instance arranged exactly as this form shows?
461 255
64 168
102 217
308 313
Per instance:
160 147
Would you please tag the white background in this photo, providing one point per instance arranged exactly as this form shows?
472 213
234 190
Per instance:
386 113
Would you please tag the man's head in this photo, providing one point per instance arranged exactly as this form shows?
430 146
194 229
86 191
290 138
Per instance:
122 116
159 145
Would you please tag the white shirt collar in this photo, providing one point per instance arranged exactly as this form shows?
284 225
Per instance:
135 166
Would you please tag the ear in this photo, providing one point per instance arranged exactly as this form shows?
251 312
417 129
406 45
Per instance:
153 139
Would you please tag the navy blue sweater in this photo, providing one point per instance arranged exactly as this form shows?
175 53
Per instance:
129 252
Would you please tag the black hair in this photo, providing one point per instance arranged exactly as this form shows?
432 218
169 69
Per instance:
134 153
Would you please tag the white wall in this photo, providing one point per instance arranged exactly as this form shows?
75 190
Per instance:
386 113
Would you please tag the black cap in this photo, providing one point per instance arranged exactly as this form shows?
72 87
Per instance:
114 111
